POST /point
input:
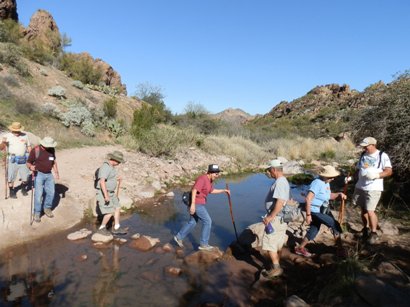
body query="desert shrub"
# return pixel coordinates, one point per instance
(153, 96)
(11, 81)
(10, 54)
(80, 68)
(24, 107)
(78, 84)
(75, 115)
(165, 140)
(9, 31)
(143, 119)
(88, 128)
(57, 91)
(243, 150)
(328, 155)
(110, 107)
(37, 52)
(115, 128)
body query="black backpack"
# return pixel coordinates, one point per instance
(187, 198)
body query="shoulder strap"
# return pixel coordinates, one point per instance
(380, 158)
(37, 151)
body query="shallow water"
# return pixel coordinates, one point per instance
(52, 272)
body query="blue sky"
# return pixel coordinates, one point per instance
(235, 53)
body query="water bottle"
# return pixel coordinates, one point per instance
(268, 228)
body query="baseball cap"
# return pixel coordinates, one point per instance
(368, 141)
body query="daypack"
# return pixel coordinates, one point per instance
(96, 178)
(187, 198)
(380, 157)
(290, 211)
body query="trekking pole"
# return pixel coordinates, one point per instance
(118, 188)
(342, 206)
(32, 199)
(6, 170)
(230, 209)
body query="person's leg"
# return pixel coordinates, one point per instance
(206, 224)
(187, 228)
(49, 189)
(11, 176)
(38, 192)
(373, 221)
(105, 220)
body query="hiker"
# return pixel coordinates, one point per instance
(107, 200)
(42, 161)
(372, 167)
(202, 187)
(17, 146)
(317, 209)
(276, 198)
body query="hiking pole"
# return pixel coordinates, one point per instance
(118, 187)
(342, 206)
(6, 170)
(32, 198)
(230, 209)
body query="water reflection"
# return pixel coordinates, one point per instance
(57, 272)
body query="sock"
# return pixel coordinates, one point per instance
(102, 227)
(276, 265)
(116, 226)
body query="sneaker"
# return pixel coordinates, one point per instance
(207, 248)
(24, 191)
(12, 193)
(119, 231)
(303, 252)
(273, 273)
(365, 233)
(104, 232)
(179, 242)
(48, 212)
(37, 218)
(373, 238)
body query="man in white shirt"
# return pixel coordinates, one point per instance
(372, 167)
(18, 146)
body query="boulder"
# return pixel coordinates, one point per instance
(96, 237)
(79, 234)
(8, 10)
(203, 257)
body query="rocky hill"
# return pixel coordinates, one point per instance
(232, 115)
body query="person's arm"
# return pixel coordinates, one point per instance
(55, 169)
(309, 199)
(336, 195)
(192, 208)
(3, 143)
(278, 207)
(31, 160)
(219, 191)
(104, 190)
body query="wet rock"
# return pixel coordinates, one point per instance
(173, 271)
(295, 301)
(83, 257)
(96, 237)
(170, 194)
(203, 257)
(327, 259)
(135, 236)
(151, 276)
(125, 201)
(120, 240)
(79, 234)
(144, 243)
(168, 248)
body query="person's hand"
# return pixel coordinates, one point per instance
(342, 196)
(228, 192)
(32, 168)
(267, 219)
(57, 176)
(192, 209)
(348, 179)
(107, 199)
(372, 176)
(308, 219)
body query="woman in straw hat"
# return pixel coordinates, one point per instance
(317, 202)
(18, 146)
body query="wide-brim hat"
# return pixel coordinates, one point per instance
(116, 155)
(16, 127)
(48, 142)
(213, 168)
(328, 171)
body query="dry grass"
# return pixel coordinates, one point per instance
(311, 149)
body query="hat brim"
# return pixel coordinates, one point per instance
(329, 174)
(16, 130)
(111, 157)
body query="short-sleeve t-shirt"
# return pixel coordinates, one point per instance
(321, 190)
(45, 161)
(370, 163)
(203, 186)
(17, 143)
(109, 173)
(279, 190)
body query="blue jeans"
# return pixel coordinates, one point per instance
(200, 214)
(44, 183)
(319, 219)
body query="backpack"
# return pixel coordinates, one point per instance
(96, 178)
(380, 157)
(187, 198)
(290, 211)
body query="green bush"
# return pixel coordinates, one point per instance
(328, 155)
(110, 107)
(10, 54)
(10, 31)
(80, 68)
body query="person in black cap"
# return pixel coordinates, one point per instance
(202, 187)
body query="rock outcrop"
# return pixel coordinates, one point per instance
(8, 10)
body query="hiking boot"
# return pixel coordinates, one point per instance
(104, 232)
(207, 248)
(365, 233)
(12, 193)
(48, 212)
(273, 273)
(24, 189)
(37, 218)
(179, 242)
(303, 252)
(119, 231)
(373, 238)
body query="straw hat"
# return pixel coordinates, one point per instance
(48, 142)
(116, 156)
(16, 127)
(328, 171)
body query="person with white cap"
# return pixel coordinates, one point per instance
(372, 167)
(42, 161)
(18, 146)
(317, 202)
(278, 195)
(197, 211)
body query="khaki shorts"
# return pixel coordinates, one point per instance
(275, 241)
(367, 200)
(111, 206)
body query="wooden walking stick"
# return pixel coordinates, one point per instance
(118, 188)
(6, 170)
(342, 206)
(32, 199)
(230, 208)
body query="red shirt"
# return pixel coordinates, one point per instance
(45, 161)
(203, 186)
